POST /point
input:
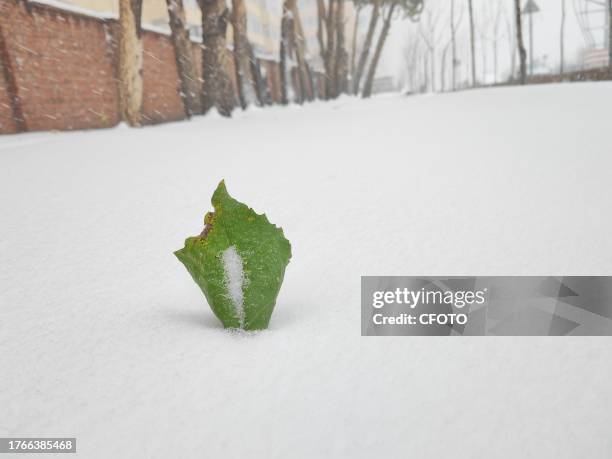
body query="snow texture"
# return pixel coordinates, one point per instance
(234, 278)
(105, 337)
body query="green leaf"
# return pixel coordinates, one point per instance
(238, 261)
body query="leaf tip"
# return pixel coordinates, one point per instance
(220, 193)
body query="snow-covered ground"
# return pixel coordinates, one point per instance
(105, 337)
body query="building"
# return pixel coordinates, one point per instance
(263, 22)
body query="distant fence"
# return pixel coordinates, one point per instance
(59, 70)
(599, 74)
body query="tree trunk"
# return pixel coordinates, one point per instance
(369, 83)
(483, 53)
(472, 42)
(496, 27)
(258, 82)
(454, 46)
(241, 58)
(190, 84)
(298, 90)
(284, 49)
(530, 43)
(341, 68)
(426, 71)
(354, 48)
(519, 41)
(217, 90)
(495, 60)
(10, 83)
(443, 70)
(296, 74)
(610, 37)
(321, 15)
(330, 64)
(432, 51)
(365, 50)
(562, 41)
(130, 61)
(247, 77)
(512, 49)
(299, 42)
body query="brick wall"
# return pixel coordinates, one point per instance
(162, 100)
(65, 66)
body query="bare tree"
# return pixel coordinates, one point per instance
(443, 67)
(330, 52)
(450, 43)
(369, 83)
(299, 46)
(412, 10)
(321, 22)
(244, 80)
(259, 84)
(365, 49)
(511, 42)
(610, 37)
(425, 71)
(284, 51)
(482, 27)
(411, 55)
(430, 33)
(472, 41)
(562, 40)
(10, 83)
(130, 61)
(341, 67)
(293, 44)
(188, 76)
(519, 41)
(497, 22)
(332, 45)
(353, 69)
(217, 90)
(454, 25)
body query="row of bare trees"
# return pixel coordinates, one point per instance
(435, 44)
(428, 47)
(215, 89)
(385, 9)
(199, 95)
